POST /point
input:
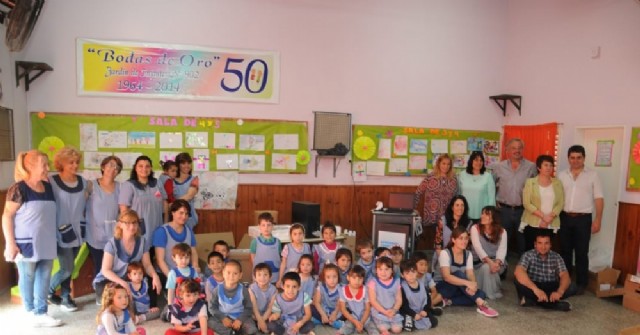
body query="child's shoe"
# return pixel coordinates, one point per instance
(408, 324)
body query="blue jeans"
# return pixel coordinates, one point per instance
(510, 219)
(62, 278)
(33, 282)
(458, 294)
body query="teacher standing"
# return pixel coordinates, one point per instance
(185, 186)
(439, 186)
(28, 224)
(477, 186)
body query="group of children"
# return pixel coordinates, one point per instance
(380, 294)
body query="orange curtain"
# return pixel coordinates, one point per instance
(541, 139)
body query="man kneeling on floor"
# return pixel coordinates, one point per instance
(542, 279)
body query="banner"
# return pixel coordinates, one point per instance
(149, 70)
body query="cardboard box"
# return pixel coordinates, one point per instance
(244, 257)
(350, 243)
(204, 244)
(245, 242)
(631, 299)
(603, 283)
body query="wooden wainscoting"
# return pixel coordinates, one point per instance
(345, 205)
(7, 270)
(625, 252)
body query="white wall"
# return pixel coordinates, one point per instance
(424, 63)
(549, 63)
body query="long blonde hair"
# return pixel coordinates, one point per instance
(107, 300)
(26, 163)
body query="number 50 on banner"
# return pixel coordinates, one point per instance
(148, 70)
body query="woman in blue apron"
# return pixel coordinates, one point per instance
(185, 186)
(28, 224)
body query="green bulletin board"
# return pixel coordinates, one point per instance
(633, 174)
(216, 144)
(409, 151)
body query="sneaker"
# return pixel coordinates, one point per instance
(446, 302)
(44, 320)
(54, 299)
(68, 305)
(562, 305)
(337, 324)
(408, 324)
(165, 316)
(437, 311)
(487, 311)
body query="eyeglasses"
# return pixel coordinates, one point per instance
(129, 223)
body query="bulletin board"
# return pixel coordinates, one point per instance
(216, 144)
(410, 151)
(633, 174)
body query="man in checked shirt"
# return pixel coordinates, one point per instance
(541, 278)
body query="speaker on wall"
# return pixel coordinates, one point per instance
(307, 214)
(330, 129)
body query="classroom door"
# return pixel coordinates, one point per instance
(603, 243)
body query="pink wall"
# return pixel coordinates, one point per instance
(425, 63)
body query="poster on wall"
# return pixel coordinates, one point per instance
(633, 172)
(152, 70)
(604, 153)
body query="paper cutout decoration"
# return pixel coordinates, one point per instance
(303, 157)
(364, 147)
(636, 152)
(50, 146)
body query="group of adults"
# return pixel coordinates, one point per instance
(119, 221)
(520, 198)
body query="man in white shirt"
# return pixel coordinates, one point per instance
(582, 194)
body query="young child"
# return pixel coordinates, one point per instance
(364, 248)
(385, 297)
(139, 289)
(261, 292)
(189, 315)
(305, 270)
(424, 276)
(344, 257)
(325, 252)
(114, 316)
(291, 309)
(181, 255)
(415, 300)
(382, 252)
(230, 304)
(325, 299)
(354, 304)
(222, 247)
(397, 254)
(291, 252)
(266, 248)
(169, 172)
(215, 263)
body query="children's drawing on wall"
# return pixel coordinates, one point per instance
(398, 165)
(475, 144)
(171, 141)
(458, 147)
(439, 146)
(489, 160)
(418, 163)
(142, 139)
(359, 171)
(218, 190)
(285, 142)
(128, 159)
(227, 161)
(88, 137)
(418, 146)
(384, 148)
(196, 139)
(460, 161)
(92, 159)
(252, 142)
(201, 159)
(252, 162)
(168, 156)
(400, 145)
(283, 161)
(112, 139)
(224, 140)
(375, 168)
(491, 147)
